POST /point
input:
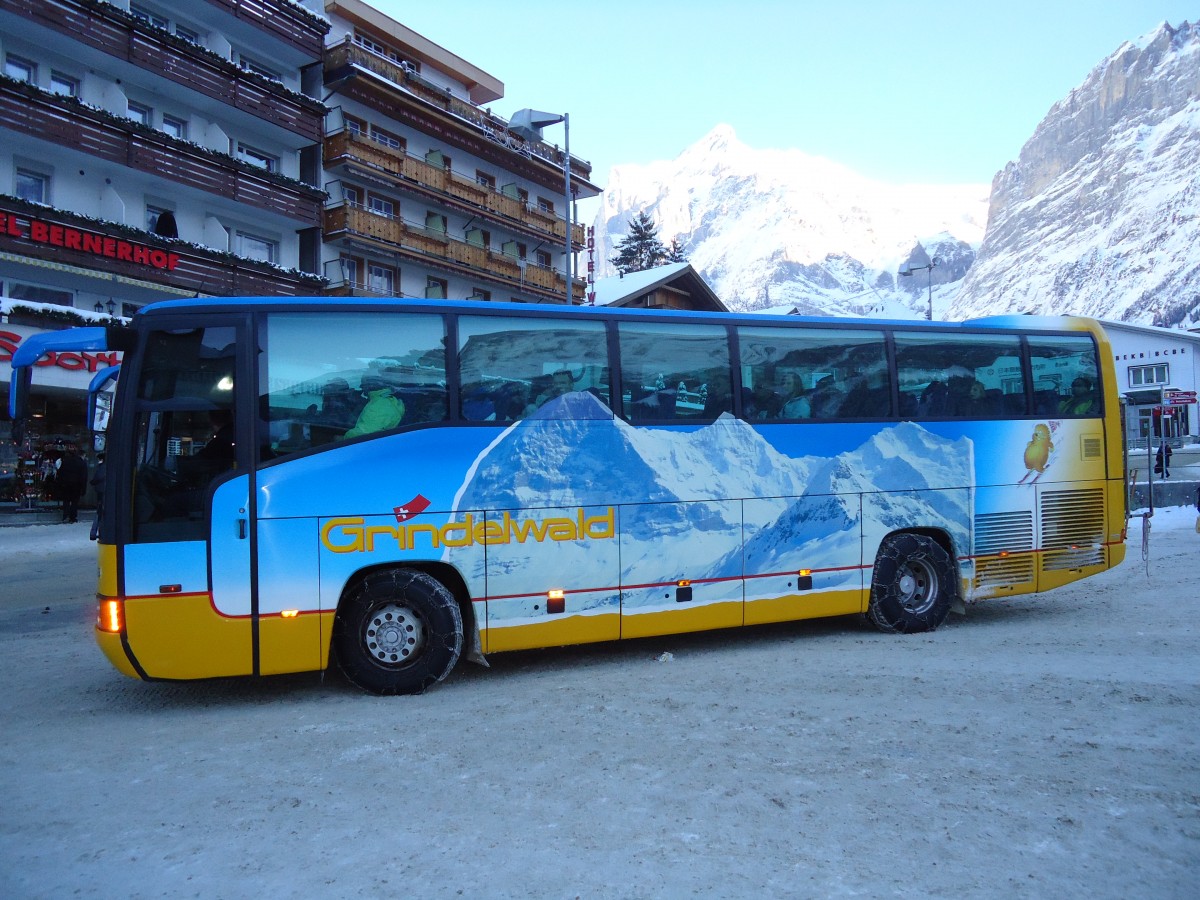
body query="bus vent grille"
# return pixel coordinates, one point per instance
(1092, 447)
(1009, 533)
(1072, 529)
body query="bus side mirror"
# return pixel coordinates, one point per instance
(101, 410)
(18, 400)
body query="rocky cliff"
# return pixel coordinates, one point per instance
(1100, 214)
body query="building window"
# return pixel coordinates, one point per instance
(352, 195)
(37, 294)
(353, 125)
(546, 206)
(252, 246)
(381, 206)
(192, 37)
(350, 270)
(480, 294)
(1140, 376)
(32, 186)
(258, 69)
(485, 179)
(435, 289)
(20, 68)
(64, 84)
(176, 128)
(154, 214)
(382, 136)
(140, 113)
(259, 158)
(150, 18)
(543, 259)
(381, 279)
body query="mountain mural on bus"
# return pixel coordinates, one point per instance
(677, 494)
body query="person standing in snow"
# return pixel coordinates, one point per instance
(72, 482)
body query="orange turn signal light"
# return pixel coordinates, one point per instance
(110, 616)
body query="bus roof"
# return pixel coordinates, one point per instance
(365, 304)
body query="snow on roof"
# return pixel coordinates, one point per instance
(616, 288)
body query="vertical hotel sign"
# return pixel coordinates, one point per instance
(37, 231)
(591, 265)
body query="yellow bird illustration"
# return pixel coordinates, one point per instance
(1037, 452)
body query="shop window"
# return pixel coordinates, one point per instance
(64, 85)
(20, 68)
(32, 186)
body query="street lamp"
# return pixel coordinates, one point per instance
(528, 123)
(928, 268)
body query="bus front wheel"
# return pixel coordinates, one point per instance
(913, 584)
(398, 632)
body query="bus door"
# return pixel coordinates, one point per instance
(187, 573)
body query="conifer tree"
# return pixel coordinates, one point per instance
(640, 249)
(674, 253)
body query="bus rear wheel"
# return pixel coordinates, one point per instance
(398, 632)
(913, 584)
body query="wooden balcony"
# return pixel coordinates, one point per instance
(67, 122)
(447, 187)
(288, 22)
(117, 33)
(432, 247)
(192, 269)
(462, 123)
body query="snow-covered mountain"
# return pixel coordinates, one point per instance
(679, 495)
(1100, 214)
(770, 228)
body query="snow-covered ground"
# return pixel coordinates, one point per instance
(1039, 747)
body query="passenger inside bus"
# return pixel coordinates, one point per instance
(796, 404)
(1082, 401)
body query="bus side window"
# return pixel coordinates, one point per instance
(675, 371)
(956, 375)
(1065, 374)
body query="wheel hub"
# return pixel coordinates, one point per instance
(918, 587)
(394, 634)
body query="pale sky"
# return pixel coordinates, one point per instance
(939, 92)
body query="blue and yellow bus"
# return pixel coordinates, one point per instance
(393, 484)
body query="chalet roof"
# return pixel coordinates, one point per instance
(627, 290)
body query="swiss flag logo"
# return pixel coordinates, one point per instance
(413, 507)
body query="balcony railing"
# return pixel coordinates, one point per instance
(347, 53)
(195, 268)
(121, 35)
(433, 246)
(349, 144)
(67, 122)
(289, 22)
